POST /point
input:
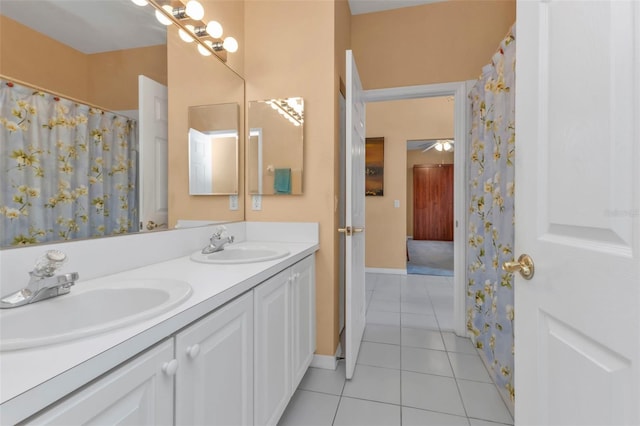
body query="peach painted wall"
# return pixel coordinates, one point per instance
(397, 122)
(108, 80)
(196, 80)
(434, 43)
(290, 51)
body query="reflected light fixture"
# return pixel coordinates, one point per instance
(140, 2)
(229, 44)
(286, 108)
(161, 17)
(186, 35)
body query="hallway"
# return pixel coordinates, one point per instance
(411, 370)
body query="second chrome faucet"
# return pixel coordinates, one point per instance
(218, 240)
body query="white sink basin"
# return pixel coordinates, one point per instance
(245, 252)
(87, 311)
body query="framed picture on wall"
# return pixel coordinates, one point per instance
(374, 166)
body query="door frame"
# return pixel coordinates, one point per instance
(462, 117)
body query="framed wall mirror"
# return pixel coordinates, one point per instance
(93, 53)
(275, 146)
(213, 149)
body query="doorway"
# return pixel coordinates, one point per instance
(459, 92)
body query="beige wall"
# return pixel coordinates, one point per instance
(398, 122)
(197, 80)
(108, 80)
(290, 52)
(434, 43)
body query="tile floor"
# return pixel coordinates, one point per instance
(410, 371)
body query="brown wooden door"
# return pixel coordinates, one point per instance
(433, 202)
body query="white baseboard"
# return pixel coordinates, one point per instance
(386, 271)
(327, 362)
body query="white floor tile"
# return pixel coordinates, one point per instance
(375, 384)
(417, 307)
(385, 305)
(435, 393)
(445, 320)
(428, 322)
(422, 338)
(426, 361)
(482, 401)
(357, 412)
(323, 380)
(469, 367)
(310, 408)
(415, 417)
(383, 318)
(382, 334)
(379, 355)
(478, 422)
(455, 343)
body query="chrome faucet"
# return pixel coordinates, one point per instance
(44, 284)
(218, 241)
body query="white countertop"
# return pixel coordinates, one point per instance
(31, 379)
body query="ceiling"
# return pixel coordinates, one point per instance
(88, 25)
(359, 7)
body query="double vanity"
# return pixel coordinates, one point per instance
(157, 332)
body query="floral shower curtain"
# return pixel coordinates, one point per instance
(490, 313)
(66, 170)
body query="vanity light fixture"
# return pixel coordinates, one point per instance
(197, 30)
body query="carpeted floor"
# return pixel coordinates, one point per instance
(430, 257)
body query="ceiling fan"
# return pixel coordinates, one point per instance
(441, 145)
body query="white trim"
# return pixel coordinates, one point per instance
(386, 271)
(327, 362)
(459, 91)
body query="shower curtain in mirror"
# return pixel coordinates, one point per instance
(490, 313)
(66, 170)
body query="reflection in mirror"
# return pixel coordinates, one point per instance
(213, 149)
(275, 146)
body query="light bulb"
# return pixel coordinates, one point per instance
(214, 29)
(203, 50)
(184, 35)
(194, 10)
(438, 146)
(447, 146)
(162, 18)
(140, 2)
(230, 44)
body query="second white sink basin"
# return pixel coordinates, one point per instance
(244, 252)
(87, 311)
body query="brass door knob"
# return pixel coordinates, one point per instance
(524, 265)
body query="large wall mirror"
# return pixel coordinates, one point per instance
(275, 146)
(85, 58)
(213, 149)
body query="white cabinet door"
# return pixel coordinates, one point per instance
(272, 348)
(138, 393)
(214, 384)
(303, 295)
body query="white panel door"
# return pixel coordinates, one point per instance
(138, 393)
(153, 126)
(577, 328)
(303, 309)
(354, 230)
(272, 359)
(214, 384)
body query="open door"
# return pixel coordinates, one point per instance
(577, 327)
(354, 217)
(152, 100)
